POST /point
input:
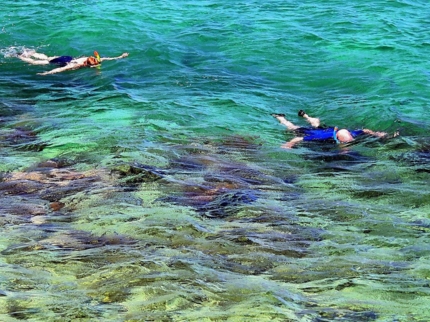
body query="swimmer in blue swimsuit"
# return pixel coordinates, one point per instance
(321, 134)
(61, 61)
(65, 62)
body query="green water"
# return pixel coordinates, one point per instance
(230, 227)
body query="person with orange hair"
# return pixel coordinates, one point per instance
(65, 62)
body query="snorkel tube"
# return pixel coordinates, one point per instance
(335, 134)
(96, 54)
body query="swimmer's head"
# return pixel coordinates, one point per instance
(91, 61)
(344, 136)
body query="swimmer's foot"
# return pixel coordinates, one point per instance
(301, 113)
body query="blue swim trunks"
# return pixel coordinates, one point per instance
(61, 61)
(323, 134)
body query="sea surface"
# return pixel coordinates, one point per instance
(155, 188)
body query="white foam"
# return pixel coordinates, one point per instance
(14, 51)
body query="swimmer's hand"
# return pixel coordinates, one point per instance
(43, 74)
(113, 58)
(289, 145)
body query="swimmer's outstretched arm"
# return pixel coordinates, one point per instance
(62, 69)
(113, 58)
(379, 134)
(293, 142)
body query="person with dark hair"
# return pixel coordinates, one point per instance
(65, 62)
(321, 134)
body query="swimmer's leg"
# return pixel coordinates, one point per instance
(281, 118)
(40, 56)
(33, 61)
(315, 122)
(32, 53)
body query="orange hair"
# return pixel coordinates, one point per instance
(91, 61)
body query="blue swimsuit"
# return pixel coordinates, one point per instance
(326, 134)
(61, 61)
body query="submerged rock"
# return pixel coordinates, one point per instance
(418, 158)
(17, 187)
(56, 205)
(80, 240)
(337, 156)
(50, 184)
(247, 175)
(329, 314)
(135, 174)
(24, 139)
(28, 206)
(193, 162)
(222, 188)
(240, 143)
(214, 203)
(227, 203)
(55, 163)
(70, 240)
(56, 192)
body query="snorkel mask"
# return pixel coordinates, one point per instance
(335, 134)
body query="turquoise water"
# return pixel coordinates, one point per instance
(215, 222)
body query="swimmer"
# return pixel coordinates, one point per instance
(65, 62)
(322, 134)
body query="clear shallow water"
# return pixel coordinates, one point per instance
(228, 226)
